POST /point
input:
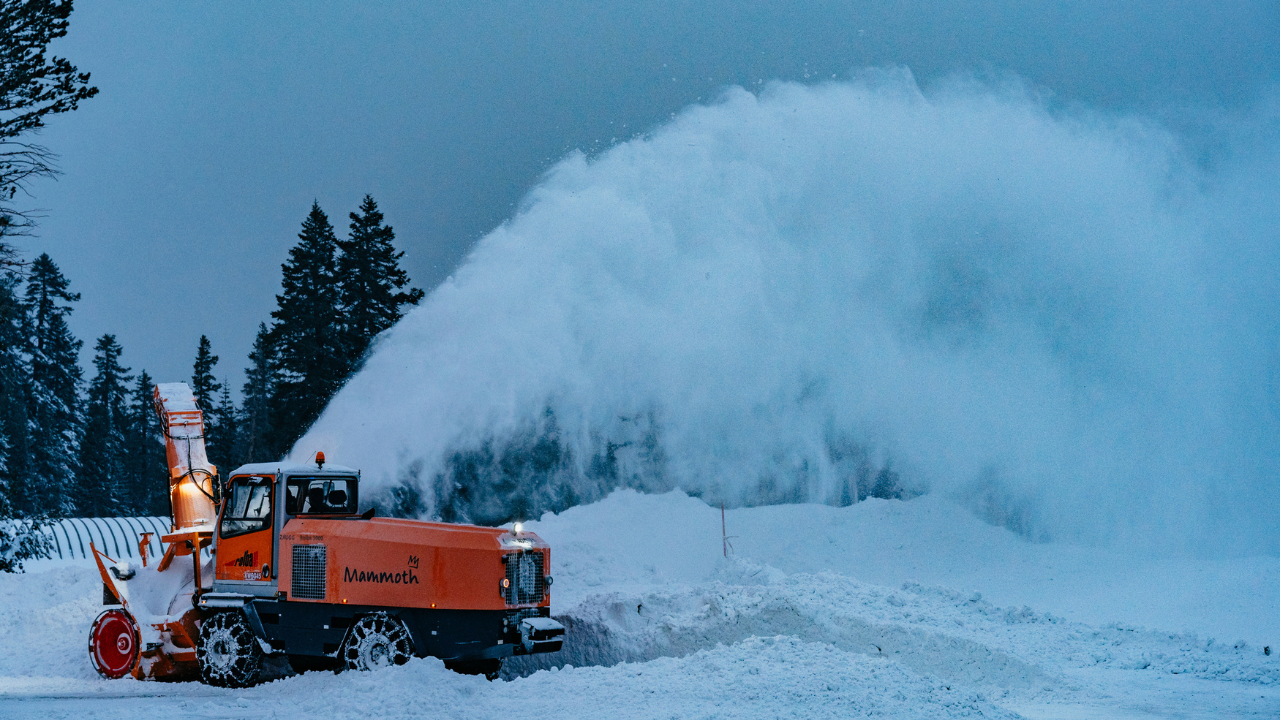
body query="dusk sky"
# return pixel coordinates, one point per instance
(186, 179)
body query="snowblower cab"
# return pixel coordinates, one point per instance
(259, 500)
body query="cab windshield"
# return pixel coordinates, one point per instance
(248, 508)
(320, 496)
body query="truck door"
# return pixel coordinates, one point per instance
(246, 533)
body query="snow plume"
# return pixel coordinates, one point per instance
(1065, 320)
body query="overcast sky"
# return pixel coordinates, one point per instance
(186, 180)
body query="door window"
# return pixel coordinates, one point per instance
(248, 507)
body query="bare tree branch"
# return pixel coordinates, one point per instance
(32, 86)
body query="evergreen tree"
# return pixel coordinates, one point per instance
(146, 465)
(54, 390)
(20, 536)
(222, 434)
(371, 282)
(101, 489)
(14, 374)
(203, 385)
(308, 333)
(259, 390)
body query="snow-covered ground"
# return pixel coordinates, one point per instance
(886, 608)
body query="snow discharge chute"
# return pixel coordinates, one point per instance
(193, 480)
(809, 293)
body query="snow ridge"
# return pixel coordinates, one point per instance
(932, 631)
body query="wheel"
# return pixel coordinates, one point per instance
(228, 651)
(488, 668)
(113, 643)
(377, 640)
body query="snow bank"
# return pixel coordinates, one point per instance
(44, 622)
(1056, 317)
(661, 625)
(958, 637)
(631, 541)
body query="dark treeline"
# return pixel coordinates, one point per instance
(41, 412)
(71, 448)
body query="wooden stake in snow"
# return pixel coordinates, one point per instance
(724, 536)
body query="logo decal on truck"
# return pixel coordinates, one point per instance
(406, 577)
(373, 576)
(248, 559)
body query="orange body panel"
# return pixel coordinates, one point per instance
(409, 563)
(245, 557)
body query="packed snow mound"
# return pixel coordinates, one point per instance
(958, 637)
(44, 622)
(795, 295)
(631, 542)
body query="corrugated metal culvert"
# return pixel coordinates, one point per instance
(69, 538)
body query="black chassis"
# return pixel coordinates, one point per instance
(316, 630)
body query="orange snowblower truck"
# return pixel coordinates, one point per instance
(298, 571)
